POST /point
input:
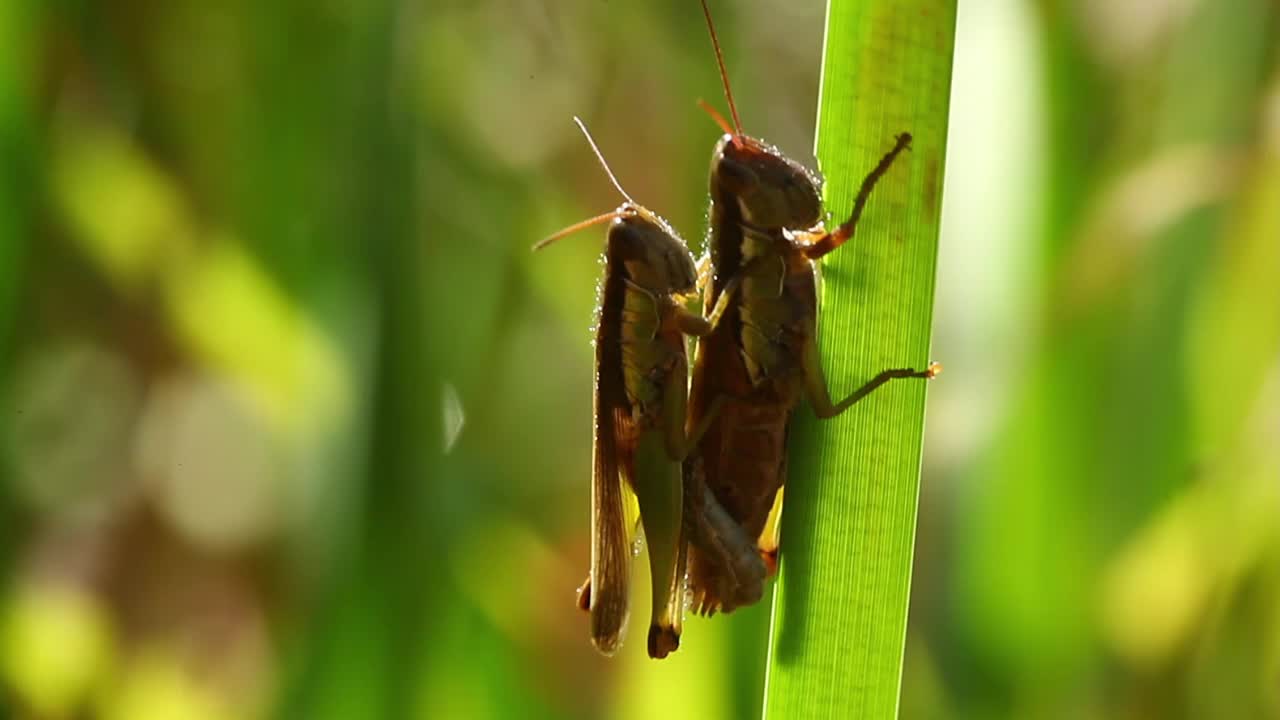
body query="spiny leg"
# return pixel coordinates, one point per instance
(703, 273)
(698, 326)
(659, 492)
(723, 544)
(830, 241)
(820, 396)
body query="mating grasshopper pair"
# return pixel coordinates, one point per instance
(700, 465)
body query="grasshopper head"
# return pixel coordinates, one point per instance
(772, 191)
(654, 256)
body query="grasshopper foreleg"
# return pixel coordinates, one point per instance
(827, 242)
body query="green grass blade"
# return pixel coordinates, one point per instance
(848, 529)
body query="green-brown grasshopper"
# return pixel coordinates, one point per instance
(641, 389)
(754, 367)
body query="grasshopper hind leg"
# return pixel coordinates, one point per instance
(662, 641)
(728, 571)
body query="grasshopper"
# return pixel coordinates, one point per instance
(639, 442)
(762, 357)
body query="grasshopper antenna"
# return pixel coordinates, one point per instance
(578, 226)
(600, 156)
(724, 75)
(716, 117)
(599, 218)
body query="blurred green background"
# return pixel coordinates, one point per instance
(294, 425)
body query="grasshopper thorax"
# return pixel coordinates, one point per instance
(653, 256)
(772, 191)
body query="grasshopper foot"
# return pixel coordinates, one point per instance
(662, 641)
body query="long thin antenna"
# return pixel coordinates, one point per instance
(724, 75)
(578, 226)
(715, 116)
(599, 156)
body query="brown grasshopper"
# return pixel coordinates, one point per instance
(754, 367)
(641, 393)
